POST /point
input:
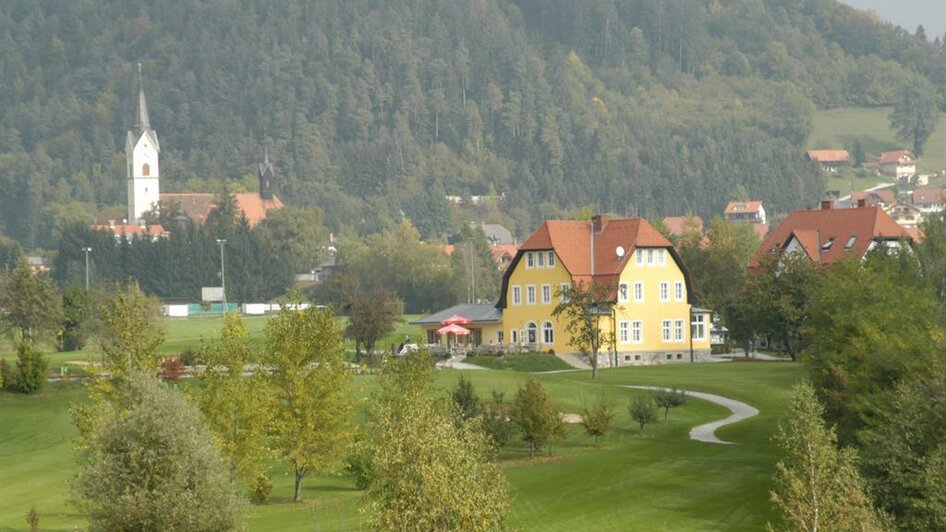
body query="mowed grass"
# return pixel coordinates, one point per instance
(520, 362)
(839, 128)
(658, 480)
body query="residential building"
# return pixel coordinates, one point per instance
(486, 327)
(651, 311)
(131, 231)
(677, 225)
(831, 161)
(929, 200)
(905, 215)
(883, 198)
(899, 164)
(828, 234)
(745, 211)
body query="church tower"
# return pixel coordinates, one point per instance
(266, 176)
(141, 153)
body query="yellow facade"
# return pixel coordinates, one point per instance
(652, 318)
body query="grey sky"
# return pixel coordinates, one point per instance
(909, 13)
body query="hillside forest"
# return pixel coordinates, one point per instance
(375, 111)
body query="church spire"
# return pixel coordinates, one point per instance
(143, 122)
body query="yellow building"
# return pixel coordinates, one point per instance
(651, 315)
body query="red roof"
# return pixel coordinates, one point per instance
(503, 252)
(155, 230)
(826, 235)
(929, 196)
(873, 197)
(829, 156)
(677, 224)
(198, 205)
(761, 229)
(735, 207)
(891, 157)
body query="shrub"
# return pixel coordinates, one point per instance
(495, 421)
(642, 410)
(360, 464)
(31, 368)
(172, 369)
(262, 487)
(7, 377)
(189, 357)
(32, 519)
(597, 419)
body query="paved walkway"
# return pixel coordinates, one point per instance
(707, 433)
(456, 362)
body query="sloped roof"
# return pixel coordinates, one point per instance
(814, 228)
(478, 312)
(929, 196)
(677, 224)
(500, 250)
(132, 229)
(761, 230)
(891, 157)
(734, 207)
(198, 205)
(885, 196)
(588, 251)
(829, 156)
(497, 233)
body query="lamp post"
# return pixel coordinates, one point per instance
(223, 273)
(87, 250)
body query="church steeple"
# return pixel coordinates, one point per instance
(266, 176)
(143, 122)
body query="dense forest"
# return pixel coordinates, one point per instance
(375, 111)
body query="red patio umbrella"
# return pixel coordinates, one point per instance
(453, 329)
(456, 320)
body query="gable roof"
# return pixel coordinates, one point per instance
(885, 196)
(497, 234)
(892, 157)
(154, 230)
(198, 205)
(814, 230)
(677, 224)
(734, 207)
(828, 156)
(929, 196)
(587, 249)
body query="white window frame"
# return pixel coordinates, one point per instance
(514, 335)
(530, 260)
(530, 294)
(516, 295)
(665, 329)
(531, 333)
(639, 256)
(562, 296)
(678, 291)
(550, 262)
(637, 332)
(698, 327)
(546, 294)
(650, 257)
(540, 260)
(500, 336)
(639, 292)
(548, 333)
(624, 336)
(678, 331)
(664, 291)
(661, 257)
(624, 294)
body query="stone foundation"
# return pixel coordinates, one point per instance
(649, 358)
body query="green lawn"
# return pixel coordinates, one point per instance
(529, 362)
(838, 128)
(658, 481)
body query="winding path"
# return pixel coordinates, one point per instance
(707, 433)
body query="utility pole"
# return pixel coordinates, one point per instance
(87, 250)
(223, 273)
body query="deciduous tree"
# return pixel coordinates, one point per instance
(582, 308)
(311, 398)
(597, 419)
(642, 410)
(667, 399)
(30, 303)
(817, 486)
(915, 114)
(131, 331)
(537, 416)
(31, 369)
(153, 466)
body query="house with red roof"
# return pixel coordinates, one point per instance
(828, 234)
(651, 309)
(884, 198)
(900, 164)
(121, 230)
(929, 200)
(745, 211)
(831, 161)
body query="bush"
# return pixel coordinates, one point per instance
(189, 357)
(31, 368)
(642, 410)
(495, 421)
(32, 519)
(7, 377)
(360, 464)
(262, 487)
(172, 369)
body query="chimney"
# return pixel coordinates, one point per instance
(862, 202)
(598, 222)
(826, 205)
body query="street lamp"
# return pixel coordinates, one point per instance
(223, 273)
(87, 250)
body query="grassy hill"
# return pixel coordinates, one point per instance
(659, 481)
(839, 128)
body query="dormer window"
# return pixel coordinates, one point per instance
(850, 242)
(827, 245)
(739, 208)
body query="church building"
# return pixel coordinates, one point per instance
(142, 151)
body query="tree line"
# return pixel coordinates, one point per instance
(374, 111)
